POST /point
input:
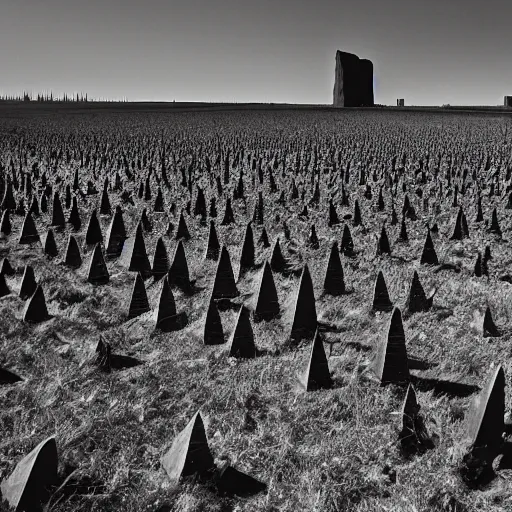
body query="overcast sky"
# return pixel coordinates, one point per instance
(428, 52)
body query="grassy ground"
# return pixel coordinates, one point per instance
(327, 450)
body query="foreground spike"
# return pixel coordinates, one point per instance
(229, 218)
(28, 283)
(383, 243)
(390, 364)
(97, 273)
(247, 254)
(213, 246)
(489, 328)
(178, 274)
(417, 300)
(72, 258)
(160, 260)
(116, 235)
(29, 234)
(334, 282)
(189, 453)
(74, 215)
(277, 261)
(93, 234)
(305, 319)
(316, 375)
(27, 488)
(495, 226)
(166, 315)
(263, 240)
(347, 244)
(49, 244)
(134, 256)
(241, 344)
(224, 286)
(139, 303)
(213, 332)
(182, 231)
(429, 255)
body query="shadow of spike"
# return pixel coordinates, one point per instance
(97, 273)
(444, 387)
(213, 331)
(485, 418)
(178, 274)
(316, 374)
(8, 377)
(232, 482)
(267, 304)
(212, 246)
(35, 310)
(27, 488)
(390, 364)
(189, 453)
(160, 260)
(489, 328)
(134, 256)
(334, 282)
(305, 318)
(139, 303)
(29, 234)
(381, 300)
(429, 255)
(182, 231)
(72, 259)
(241, 344)
(224, 286)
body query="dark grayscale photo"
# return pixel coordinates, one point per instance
(255, 256)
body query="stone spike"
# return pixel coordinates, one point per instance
(263, 240)
(213, 332)
(160, 260)
(417, 300)
(267, 303)
(334, 282)
(457, 230)
(277, 261)
(104, 355)
(213, 208)
(189, 453)
(158, 206)
(406, 206)
(344, 196)
(74, 215)
(383, 243)
(166, 315)
(295, 191)
(465, 228)
(116, 235)
(316, 375)
(27, 486)
(28, 283)
(347, 244)
(304, 212)
(8, 201)
(178, 274)
(495, 227)
(224, 286)
(5, 224)
(487, 253)
(485, 425)
(391, 365)
(6, 268)
(247, 253)
(489, 327)
(72, 258)
(241, 344)
(49, 244)
(58, 220)
(144, 220)
(357, 221)
(229, 217)
(403, 237)
(43, 203)
(35, 308)
(105, 208)
(134, 255)
(479, 213)
(34, 206)
(258, 210)
(313, 238)
(213, 246)
(98, 272)
(380, 201)
(394, 217)
(147, 190)
(182, 231)
(4, 289)
(29, 234)
(200, 206)
(429, 255)
(139, 303)
(478, 270)
(381, 300)
(304, 319)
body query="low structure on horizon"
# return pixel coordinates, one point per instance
(508, 101)
(353, 81)
(400, 102)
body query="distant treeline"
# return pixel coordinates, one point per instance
(49, 97)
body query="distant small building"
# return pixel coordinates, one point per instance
(508, 101)
(400, 102)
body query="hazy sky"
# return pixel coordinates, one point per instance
(429, 52)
